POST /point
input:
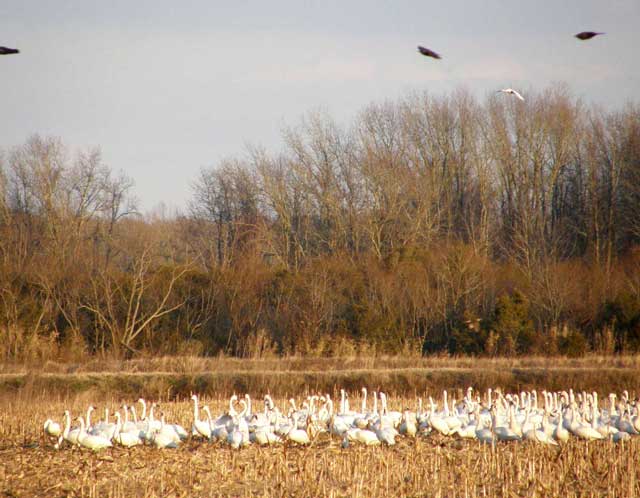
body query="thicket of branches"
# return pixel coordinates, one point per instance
(428, 224)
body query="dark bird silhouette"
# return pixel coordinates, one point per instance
(428, 53)
(8, 51)
(587, 35)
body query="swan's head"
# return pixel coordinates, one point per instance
(141, 400)
(234, 398)
(194, 397)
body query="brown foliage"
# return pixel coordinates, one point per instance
(398, 233)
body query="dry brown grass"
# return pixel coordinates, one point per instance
(196, 364)
(427, 466)
(176, 377)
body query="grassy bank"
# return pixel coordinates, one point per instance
(170, 378)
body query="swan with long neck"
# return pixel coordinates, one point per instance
(124, 438)
(90, 408)
(52, 428)
(103, 428)
(298, 436)
(174, 431)
(71, 436)
(127, 425)
(408, 426)
(200, 427)
(143, 415)
(92, 441)
(163, 439)
(239, 436)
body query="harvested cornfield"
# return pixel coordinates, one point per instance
(430, 465)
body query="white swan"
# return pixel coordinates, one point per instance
(199, 427)
(364, 436)
(52, 428)
(127, 425)
(125, 438)
(298, 436)
(385, 432)
(485, 434)
(394, 416)
(560, 433)
(103, 428)
(511, 91)
(173, 431)
(408, 425)
(583, 431)
(218, 432)
(71, 436)
(91, 441)
(239, 436)
(163, 439)
(436, 421)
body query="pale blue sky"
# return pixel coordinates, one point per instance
(167, 87)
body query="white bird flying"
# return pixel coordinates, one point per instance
(511, 91)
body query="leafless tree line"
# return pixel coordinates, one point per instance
(396, 232)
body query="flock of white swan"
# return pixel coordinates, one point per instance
(488, 418)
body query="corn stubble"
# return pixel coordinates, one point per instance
(426, 466)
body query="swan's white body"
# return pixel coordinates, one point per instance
(511, 91)
(127, 439)
(200, 428)
(363, 436)
(71, 436)
(164, 438)
(298, 436)
(52, 428)
(92, 441)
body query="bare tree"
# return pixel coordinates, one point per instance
(127, 307)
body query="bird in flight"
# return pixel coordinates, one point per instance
(8, 51)
(511, 91)
(587, 35)
(428, 53)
